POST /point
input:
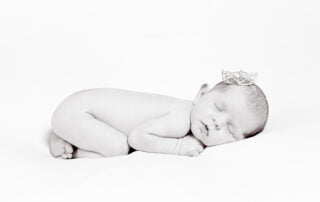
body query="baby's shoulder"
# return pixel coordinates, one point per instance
(183, 106)
(181, 114)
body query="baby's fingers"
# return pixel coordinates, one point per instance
(194, 153)
(200, 149)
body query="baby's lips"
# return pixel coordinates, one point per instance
(203, 130)
(207, 128)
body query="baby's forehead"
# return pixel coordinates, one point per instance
(230, 95)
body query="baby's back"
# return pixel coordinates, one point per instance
(122, 109)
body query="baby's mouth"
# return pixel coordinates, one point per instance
(204, 129)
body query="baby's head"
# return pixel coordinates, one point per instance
(228, 113)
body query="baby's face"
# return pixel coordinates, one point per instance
(222, 117)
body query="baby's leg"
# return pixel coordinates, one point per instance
(62, 149)
(84, 131)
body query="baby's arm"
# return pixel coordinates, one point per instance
(164, 134)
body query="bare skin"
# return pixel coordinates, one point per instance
(106, 122)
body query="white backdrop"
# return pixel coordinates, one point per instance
(50, 49)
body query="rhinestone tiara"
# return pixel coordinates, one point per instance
(240, 78)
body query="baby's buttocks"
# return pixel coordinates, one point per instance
(75, 103)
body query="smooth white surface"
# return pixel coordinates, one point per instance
(48, 50)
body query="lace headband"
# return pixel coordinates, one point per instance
(240, 78)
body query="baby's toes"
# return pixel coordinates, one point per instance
(57, 149)
(68, 148)
(69, 156)
(65, 156)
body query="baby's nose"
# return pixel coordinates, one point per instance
(218, 125)
(214, 123)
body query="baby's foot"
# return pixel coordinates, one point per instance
(60, 148)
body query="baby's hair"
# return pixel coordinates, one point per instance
(257, 103)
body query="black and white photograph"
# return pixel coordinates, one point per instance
(144, 100)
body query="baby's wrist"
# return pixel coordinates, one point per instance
(178, 146)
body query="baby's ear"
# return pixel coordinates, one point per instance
(203, 90)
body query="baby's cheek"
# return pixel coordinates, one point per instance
(197, 130)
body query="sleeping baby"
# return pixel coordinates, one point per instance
(105, 122)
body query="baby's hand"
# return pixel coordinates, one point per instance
(190, 146)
